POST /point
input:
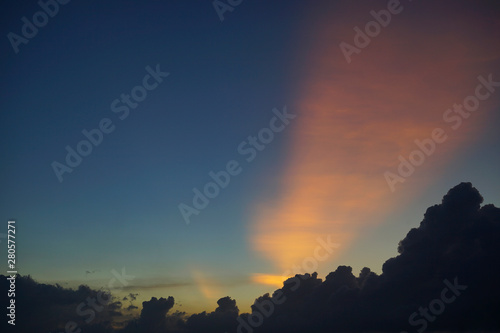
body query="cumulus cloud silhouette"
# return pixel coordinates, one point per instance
(49, 308)
(454, 255)
(223, 319)
(456, 239)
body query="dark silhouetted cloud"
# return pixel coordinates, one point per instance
(444, 278)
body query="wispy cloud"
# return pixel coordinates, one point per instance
(357, 118)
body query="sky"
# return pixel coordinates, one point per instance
(329, 118)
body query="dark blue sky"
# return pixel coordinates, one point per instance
(121, 201)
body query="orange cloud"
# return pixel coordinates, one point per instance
(356, 119)
(267, 279)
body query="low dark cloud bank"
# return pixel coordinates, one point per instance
(445, 278)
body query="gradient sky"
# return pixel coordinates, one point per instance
(322, 175)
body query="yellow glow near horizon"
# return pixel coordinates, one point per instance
(271, 280)
(207, 288)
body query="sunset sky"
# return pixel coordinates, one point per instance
(321, 176)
